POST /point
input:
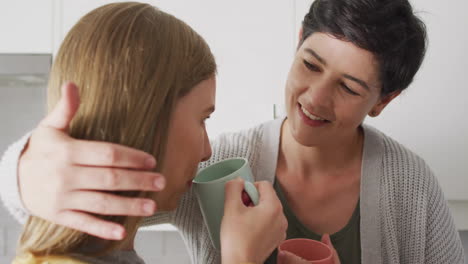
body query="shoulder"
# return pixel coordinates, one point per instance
(413, 207)
(402, 170)
(239, 140)
(31, 259)
(259, 145)
(244, 143)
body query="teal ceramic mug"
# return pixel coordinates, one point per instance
(209, 184)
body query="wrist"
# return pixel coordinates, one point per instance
(237, 259)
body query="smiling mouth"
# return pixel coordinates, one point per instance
(310, 115)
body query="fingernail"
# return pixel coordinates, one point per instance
(148, 208)
(281, 253)
(159, 183)
(150, 162)
(117, 233)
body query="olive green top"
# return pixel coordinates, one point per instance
(347, 241)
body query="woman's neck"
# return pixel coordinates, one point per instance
(129, 243)
(319, 160)
(94, 243)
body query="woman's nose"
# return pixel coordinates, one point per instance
(321, 93)
(207, 152)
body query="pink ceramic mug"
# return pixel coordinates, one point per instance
(313, 251)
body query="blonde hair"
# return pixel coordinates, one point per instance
(131, 62)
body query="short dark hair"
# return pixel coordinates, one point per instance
(387, 28)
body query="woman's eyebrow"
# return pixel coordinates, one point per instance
(358, 81)
(313, 53)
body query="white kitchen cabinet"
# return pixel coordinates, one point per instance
(26, 26)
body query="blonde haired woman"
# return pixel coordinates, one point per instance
(145, 80)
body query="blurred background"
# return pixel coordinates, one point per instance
(254, 43)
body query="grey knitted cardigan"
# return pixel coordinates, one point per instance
(404, 216)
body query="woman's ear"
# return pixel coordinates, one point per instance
(382, 103)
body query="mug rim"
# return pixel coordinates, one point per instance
(329, 256)
(217, 164)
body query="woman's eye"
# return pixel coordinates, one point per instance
(311, 66)
(348, 90)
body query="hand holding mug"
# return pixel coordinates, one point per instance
(307, 251)
(250, 234)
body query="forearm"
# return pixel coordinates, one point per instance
(234, 261)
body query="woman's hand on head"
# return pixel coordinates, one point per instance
(62, 179)
(250, 234)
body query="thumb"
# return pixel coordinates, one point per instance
(326, 240)
(233, 193)
(66, 108)
(266, 192)
(285, 257)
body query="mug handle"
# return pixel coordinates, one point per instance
(251, 190)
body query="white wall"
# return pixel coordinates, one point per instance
(26, 26)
